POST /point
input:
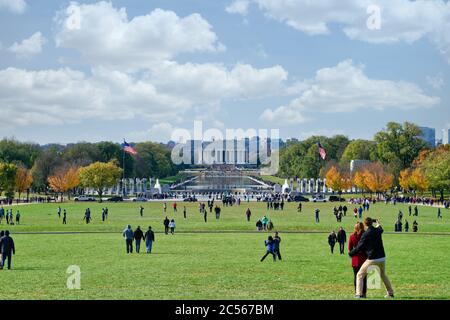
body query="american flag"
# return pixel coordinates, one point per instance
(128, 148)
(322, 152)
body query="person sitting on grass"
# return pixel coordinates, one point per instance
(270, 225)
(269, 243)
(172, 226)
(149, 239)
(138, 236)
(259, 225)
(129, 236)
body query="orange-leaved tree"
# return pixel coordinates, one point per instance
(338, 180)
(24, 180)
(377, 178)
(64, 179)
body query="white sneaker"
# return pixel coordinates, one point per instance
(389, 296)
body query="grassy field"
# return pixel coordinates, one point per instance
(214, 264)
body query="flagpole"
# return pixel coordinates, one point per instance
(123, 171)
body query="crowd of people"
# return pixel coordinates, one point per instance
(9, 216)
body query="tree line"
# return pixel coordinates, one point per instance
(25, 166)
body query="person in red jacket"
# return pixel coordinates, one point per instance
(361, 257)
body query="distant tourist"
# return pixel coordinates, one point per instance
(332, 239)
(165, 207)
(129, 236)
(299, 208)
(276, 247)
(59, 212)
(141, 211)
(317, 213)
(184, 212)
(18, 217)
(149, 239)
(415, 226)
(439, 214)
(341, 239)
(174, 207)
(406, 225)
(166, 223)
(269, 244)
(172, 226)
(358, 259)
(259, 225)
(138, 236)
(87, 216)
(270, 225)
(416, 211)
(248, 213)
(372, 244)
(7, 249)
(65, 217)
(217, 211)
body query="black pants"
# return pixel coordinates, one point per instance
(206, 218)
(138, 245)
(166, 229)
(4, 257)
(267, 253)
(341, 247)
(355, 272)
(64, 220)
(278, 254)
(129, 244)
(248, 218)
(332, 247)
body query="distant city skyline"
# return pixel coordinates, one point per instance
(107, 70)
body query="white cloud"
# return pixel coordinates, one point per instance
(28, 47)
(345, 88)
(238, 6)
(437, 81)
(104, 35)
(15, 6)
(206, 83)
(401, 20)
(68, 96)
(160, 132)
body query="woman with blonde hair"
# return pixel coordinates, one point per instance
(361, 257)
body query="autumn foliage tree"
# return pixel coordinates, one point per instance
(24, 180)
(338, 180)
(359, 181)
(64, 179)
(377, 178)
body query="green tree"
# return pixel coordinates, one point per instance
(44, 165)
(437, 171)
(12, 151)
(359, 150)
(153, 161)
(100, 175)
(8, 173)
(398, 145)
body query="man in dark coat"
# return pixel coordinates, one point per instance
(7, 249)
(166, 225)
(372, 244)
(342, 239)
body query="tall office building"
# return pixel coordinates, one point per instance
(429, 136)
(445, 136)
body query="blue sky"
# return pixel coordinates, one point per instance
(139, 69)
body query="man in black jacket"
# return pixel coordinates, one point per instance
(166, 225)
(342, 239)
(7, 249)
(372, 243)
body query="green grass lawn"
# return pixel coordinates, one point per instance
(217, 264)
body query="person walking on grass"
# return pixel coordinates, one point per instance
(416, 211)
(138, 236)
(103, 215)
(7, 249)
(184, 212)
(248, 213)
(166, 223)
(358, 259)
(164, 207)
(372, 244)
(406, 225)
(317, 213)
(59, 212)
(64, 217)
(174, 207)
(355, 213)
(415, 226)
(149, 239)
(141, 211)
(439, 214)
(299, 208)
(129, 236)
(7, 216)
(2, 214)
(269, 244)
(341, 239)
(360, 212)
(205, 214)
(332, 239)
(276, 247)
(217, 211)
(18, 217)
(172, 226)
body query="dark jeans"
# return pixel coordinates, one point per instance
(129, 244)
(166, 229)
(267, 253)
(278, 254)
(355, 272)
(341, 247)
(332, 247)
(4, 257)
(138, 245)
